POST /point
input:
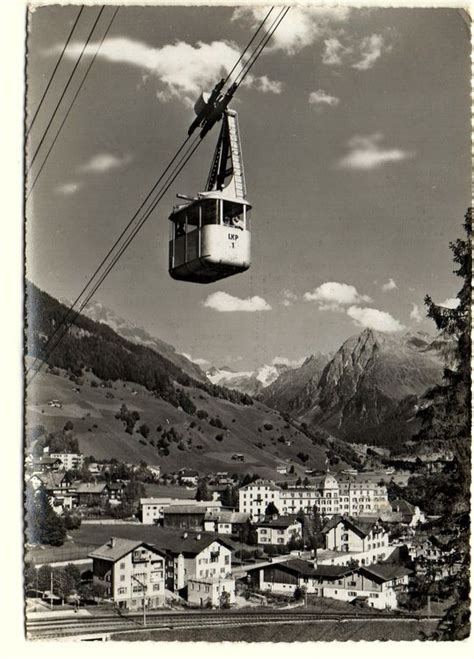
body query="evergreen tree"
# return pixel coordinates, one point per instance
(446, 421)
(202, 492)
(43, 525)
(271, 509)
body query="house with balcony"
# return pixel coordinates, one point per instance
(132, 573)
(279, 530)
(152, 509)
(193, 555)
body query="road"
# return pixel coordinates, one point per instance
(95, 626)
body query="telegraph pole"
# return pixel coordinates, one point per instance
(144, 588)
(51, 591)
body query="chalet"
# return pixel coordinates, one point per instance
(190, 517)
(92, 494)
(116, 490)
(403, 512)
(285, 577)
(194, 555)
(47, 463)
(132, 572)
(279, 530)
(225, 522)
(375, 585)
(58, 486)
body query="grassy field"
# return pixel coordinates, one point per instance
(252, 430)
(290, 633)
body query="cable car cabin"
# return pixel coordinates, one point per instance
(210, 235)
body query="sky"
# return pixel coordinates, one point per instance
(355, 129)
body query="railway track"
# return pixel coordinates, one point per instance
(63, 627)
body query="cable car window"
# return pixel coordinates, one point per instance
(210, 211)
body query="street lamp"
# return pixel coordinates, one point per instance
(144, 588)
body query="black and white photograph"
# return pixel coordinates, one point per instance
(247, 323)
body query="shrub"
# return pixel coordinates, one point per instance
(220, 437)
(268, 426)
(202, 414)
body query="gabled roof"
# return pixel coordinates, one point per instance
(306, 569)
(189, 544)
(360, 525)
(382, 572)
(402, 506)
(53, 479)
(282, 522)
(227, 517)
(117, 548)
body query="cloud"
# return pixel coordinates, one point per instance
(320, 97)
(366, 153)
(371, 48)
(68, 188)
(331, 295)
(288, 298)
(182, 70)
(374, 319)
(390, 285)
(302, 27)
(103, 162)
(284, 361)
(450, 303)
(265, 85)
(415, 313)
(196, 360)
(334, 52)
(224, 302)
(361, 55)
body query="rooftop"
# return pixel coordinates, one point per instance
(282, 522)
(117, 548)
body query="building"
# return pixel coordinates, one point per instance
(284, 577)
(194, 555)
(184, 517)
(279, 530)
(211, 591)
(189, 476)
(47, 463)
(404, 512)
(69, 460)
(152, 508)
(92, 494)
(375, 585)
(349, 534)
(225, 522)
(350, 495)
(255, 497)
(132, 572)
(59, 488)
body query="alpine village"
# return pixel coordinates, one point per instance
(158, 495)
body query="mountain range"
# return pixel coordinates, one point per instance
(369, 378)
(367, 391)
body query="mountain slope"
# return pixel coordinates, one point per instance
(291, 383)
(101, 314)
(366, 379)
(182, 422)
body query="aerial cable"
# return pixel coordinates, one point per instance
(65, 89)
(158, 196)
(262, 44)
(72, 103)
(105, 258)
(54, 71)
(248, 45)
(171, 178)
